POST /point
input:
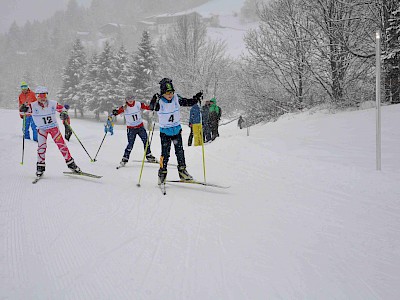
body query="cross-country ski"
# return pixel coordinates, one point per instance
(198, 183)
(82, 174)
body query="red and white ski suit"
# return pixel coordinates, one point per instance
(45, 119)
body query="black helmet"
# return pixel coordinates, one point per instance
(166, 86)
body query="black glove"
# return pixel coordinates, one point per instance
(63, 115)
(154, 105)
(198, 96)
(115, 112)
(24, 108)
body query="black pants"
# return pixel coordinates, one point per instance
(166, 149)
(131, 134)
(190, 140)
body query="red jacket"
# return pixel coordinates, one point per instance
(26, 98)
(142, 106)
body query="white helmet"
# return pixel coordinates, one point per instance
(41, 90)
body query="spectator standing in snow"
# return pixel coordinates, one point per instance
(205, 119)
(27, 97)
(240, 122)
(194, 118)
(215, 116)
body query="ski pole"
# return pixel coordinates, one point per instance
(94, 159)
(23, 138)
(101, 143)
(147, 146)
(79, 141)
(202, 144)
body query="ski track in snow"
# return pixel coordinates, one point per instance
(306, 216)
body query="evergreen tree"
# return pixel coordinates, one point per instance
(105, 84)
(73, 74)
(122, 72)
(145, 67)
(88, 87)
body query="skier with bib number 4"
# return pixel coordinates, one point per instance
(44, 115)
(168, 109)
(133, 116)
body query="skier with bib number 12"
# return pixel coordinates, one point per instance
(44, 115)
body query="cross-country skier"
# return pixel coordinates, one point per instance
(44, 114)
(168, 108)
(133, 116)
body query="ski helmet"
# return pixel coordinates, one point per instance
(41, 90)
(129, 95)
(166, 86)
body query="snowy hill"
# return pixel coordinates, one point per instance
(232, 29)
(307, 216)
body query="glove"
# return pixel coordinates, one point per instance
(198, 95)
(115, 112)
(66, 106)
(154, 105)
(63, 115)
(24, 108)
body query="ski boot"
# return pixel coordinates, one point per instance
(71, 165)
(183, 174)
(150, 158)
(123, 162)
(40, 168)
(162, 175)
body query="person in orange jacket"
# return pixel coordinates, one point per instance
(27, 97)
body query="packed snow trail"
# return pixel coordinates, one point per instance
(306, 215)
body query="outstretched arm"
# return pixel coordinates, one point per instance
(190, 101)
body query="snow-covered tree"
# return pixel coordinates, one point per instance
(278, 50)
(122, 72)
(88, 87)
(392, 54)
(189, 58)
(145, 65)
(105, 83)
(73, 74)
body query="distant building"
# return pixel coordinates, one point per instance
(161, 24)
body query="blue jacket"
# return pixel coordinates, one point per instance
(194, 114)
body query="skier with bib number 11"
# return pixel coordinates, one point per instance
(168, 110)
(133, 116)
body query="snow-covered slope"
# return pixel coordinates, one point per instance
(307, 216)
(231, 28)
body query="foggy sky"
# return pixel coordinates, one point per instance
(24, 10)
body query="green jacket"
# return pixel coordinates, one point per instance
(214, 108)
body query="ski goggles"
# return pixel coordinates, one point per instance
(24, 87)
(169, 93)
(42, 95)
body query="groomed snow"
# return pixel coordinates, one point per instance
(307, 215)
